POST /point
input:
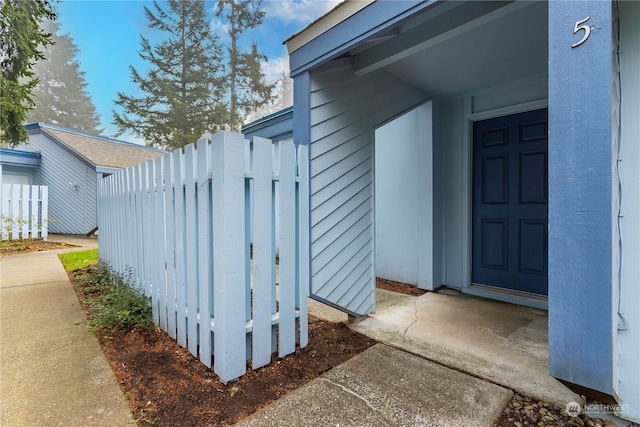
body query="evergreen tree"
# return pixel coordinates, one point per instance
(21, 39)
(248, 88)
(183, 90)
(61, 97)
(282, 98)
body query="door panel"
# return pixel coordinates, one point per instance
(510, 198)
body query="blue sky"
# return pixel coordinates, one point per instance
(107, 33)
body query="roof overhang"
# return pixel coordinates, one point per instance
(28, 159)
(444, 48)
(107, 170)
(273, 126)
(326, 22)
(347, 26)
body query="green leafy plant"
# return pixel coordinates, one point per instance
(111, 301)
(9, 223)
(234, 390)
(121, 307)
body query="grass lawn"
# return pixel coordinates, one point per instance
(75, 260)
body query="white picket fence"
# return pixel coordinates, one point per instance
(178, 226)
(23, 211)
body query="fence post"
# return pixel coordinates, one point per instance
(303, 243)
(228, 256)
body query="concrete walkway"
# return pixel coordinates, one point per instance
(445, 359)
(52, 370)
(383, 387)
(503, 343)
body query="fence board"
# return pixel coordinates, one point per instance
(184, 224)
(263, 253)
(5, 197)
(24, 210)
(121, 189)
(204, 249)
(287, 336)
(190, 250)
(180, 253)
(159, 267)
(15, 210)
(32, 228)
(44, 211)
(169, 245)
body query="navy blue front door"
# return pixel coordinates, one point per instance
(509, 248)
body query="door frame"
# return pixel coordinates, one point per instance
(506, 295)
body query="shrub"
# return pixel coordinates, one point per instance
(119, 306)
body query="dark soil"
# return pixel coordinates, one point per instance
(167, 386)
(19, 246)
(403, 288)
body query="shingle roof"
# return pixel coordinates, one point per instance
(99, 150)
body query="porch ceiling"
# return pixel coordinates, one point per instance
(467, 47)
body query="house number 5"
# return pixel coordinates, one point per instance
(580, 26)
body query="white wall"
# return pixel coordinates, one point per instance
(403, 166)
(16, 178)
(628, 335)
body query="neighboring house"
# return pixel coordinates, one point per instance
(18, 167)
(69, 162)
(512, 157)
(276, 127)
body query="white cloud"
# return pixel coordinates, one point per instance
(275, 67)
(219, 28)
(298, 11)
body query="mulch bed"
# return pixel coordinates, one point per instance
(20, 246)
(402, 288)
(167, 386)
